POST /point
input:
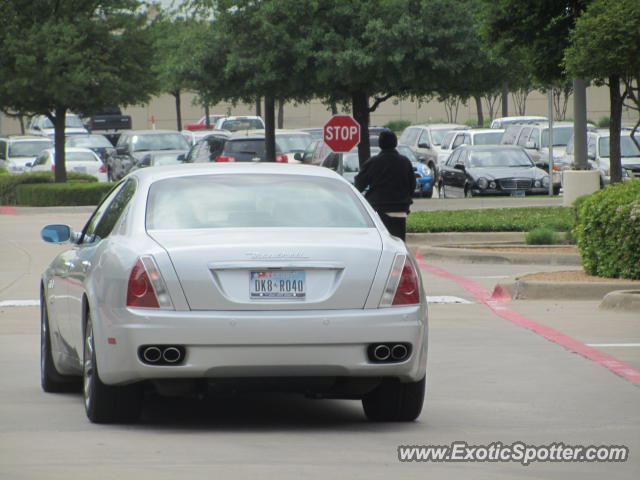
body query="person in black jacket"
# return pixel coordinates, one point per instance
(389, 181)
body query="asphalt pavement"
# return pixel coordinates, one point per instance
(538, 371)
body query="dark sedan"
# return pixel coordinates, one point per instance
(490, 170)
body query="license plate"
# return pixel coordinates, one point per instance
(277, 284)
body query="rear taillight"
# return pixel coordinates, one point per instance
(146, 288)
(53, 168)
(403, 285)
(103, 168)
(224, 158)
(282, 159)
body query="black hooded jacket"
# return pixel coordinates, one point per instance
(388, 181)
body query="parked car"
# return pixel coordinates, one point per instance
(135, 145)
(76, 159)
(202, 123)
(108, 120)
(307, 155)
(41, 125)
(491, 170)
(248, 148)
(322, 150)
(98, 143)
(235, 124)
(214, 280)
(290, 142)
(598, 154)
(17, 151)
(474, 136)
(504, 122)
(207, 148)
(534, 137)
(425, 141)
(316, 133)
(159, 159)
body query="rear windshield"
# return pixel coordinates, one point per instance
(97, 141)
(234, 125)
(490, 138)
(80, 157)
(245, 146)
(242, 200)
(28, 148)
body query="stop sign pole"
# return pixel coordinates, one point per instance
(341, 133)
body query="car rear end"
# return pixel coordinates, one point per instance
(318, 299)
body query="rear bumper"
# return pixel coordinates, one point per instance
(260, 344)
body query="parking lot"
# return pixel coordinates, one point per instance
(511, 371)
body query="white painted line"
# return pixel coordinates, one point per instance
(447, 299)
(20, 303)
(613, 344)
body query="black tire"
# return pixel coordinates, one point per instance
(393, 401)
(556, 190)
(50, 380)
(106, 403)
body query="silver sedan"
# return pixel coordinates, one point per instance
(205, 278)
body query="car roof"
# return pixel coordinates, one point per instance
(24, 138)
(439, 126)
(149, 132)
(491, 147)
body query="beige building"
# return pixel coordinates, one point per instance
(160, 112)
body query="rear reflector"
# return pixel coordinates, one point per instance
(224, 158)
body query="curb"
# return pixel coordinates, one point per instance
(468, 255)
(621, 300)
(532, 290)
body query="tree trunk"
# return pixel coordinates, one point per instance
(360, 107)
(176, 94)
(505, 100)
(258, 107)
(334, 107)
(207, 122)
(270, 129)
(59, 126)
(280, 114)
(478, 100)
(614, 129)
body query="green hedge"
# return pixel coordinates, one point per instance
(559, 219)
(65, 194)
(608, 231)
(9, 183)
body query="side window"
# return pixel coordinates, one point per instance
(3, 149)
(454, 158)
(107, 214)
(509, 136)
(331, 161)
(40, 159)
(424, 138)
(524, 136)
(460, 139)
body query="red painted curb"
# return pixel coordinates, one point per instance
(496, 302)
(8, 211)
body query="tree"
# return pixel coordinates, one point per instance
(81, 56)
(605, 47)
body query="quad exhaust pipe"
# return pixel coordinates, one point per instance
(389, 352)
(162, 354)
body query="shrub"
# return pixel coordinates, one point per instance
(9, 183)
(604, 122)
(62, 194)
(397, 125)
(3, 171)
(541, 236)
(608, 231)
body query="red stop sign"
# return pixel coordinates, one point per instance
(341, 133)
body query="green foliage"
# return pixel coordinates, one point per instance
(541, 236)
(608, 231)
(9, 183)
(61, 194)
(397, 125)
(3, 171)
(605, 41)
(492, 220)
(604, 122)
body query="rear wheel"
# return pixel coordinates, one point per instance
(428, 193)
(50, 380)
(106, 403)
(393, 401)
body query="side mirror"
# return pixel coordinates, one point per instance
(28, 164)
(56, 233)
(182, 157)
(459, 166)
(298, 156)
(122, 150)
(146, 161)
(424, 145)
(36, 127)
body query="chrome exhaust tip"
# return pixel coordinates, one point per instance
(152, 354)
(381, 353)
(399, 352)
(171, 355)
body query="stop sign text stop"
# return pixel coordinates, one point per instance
(341, 133)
